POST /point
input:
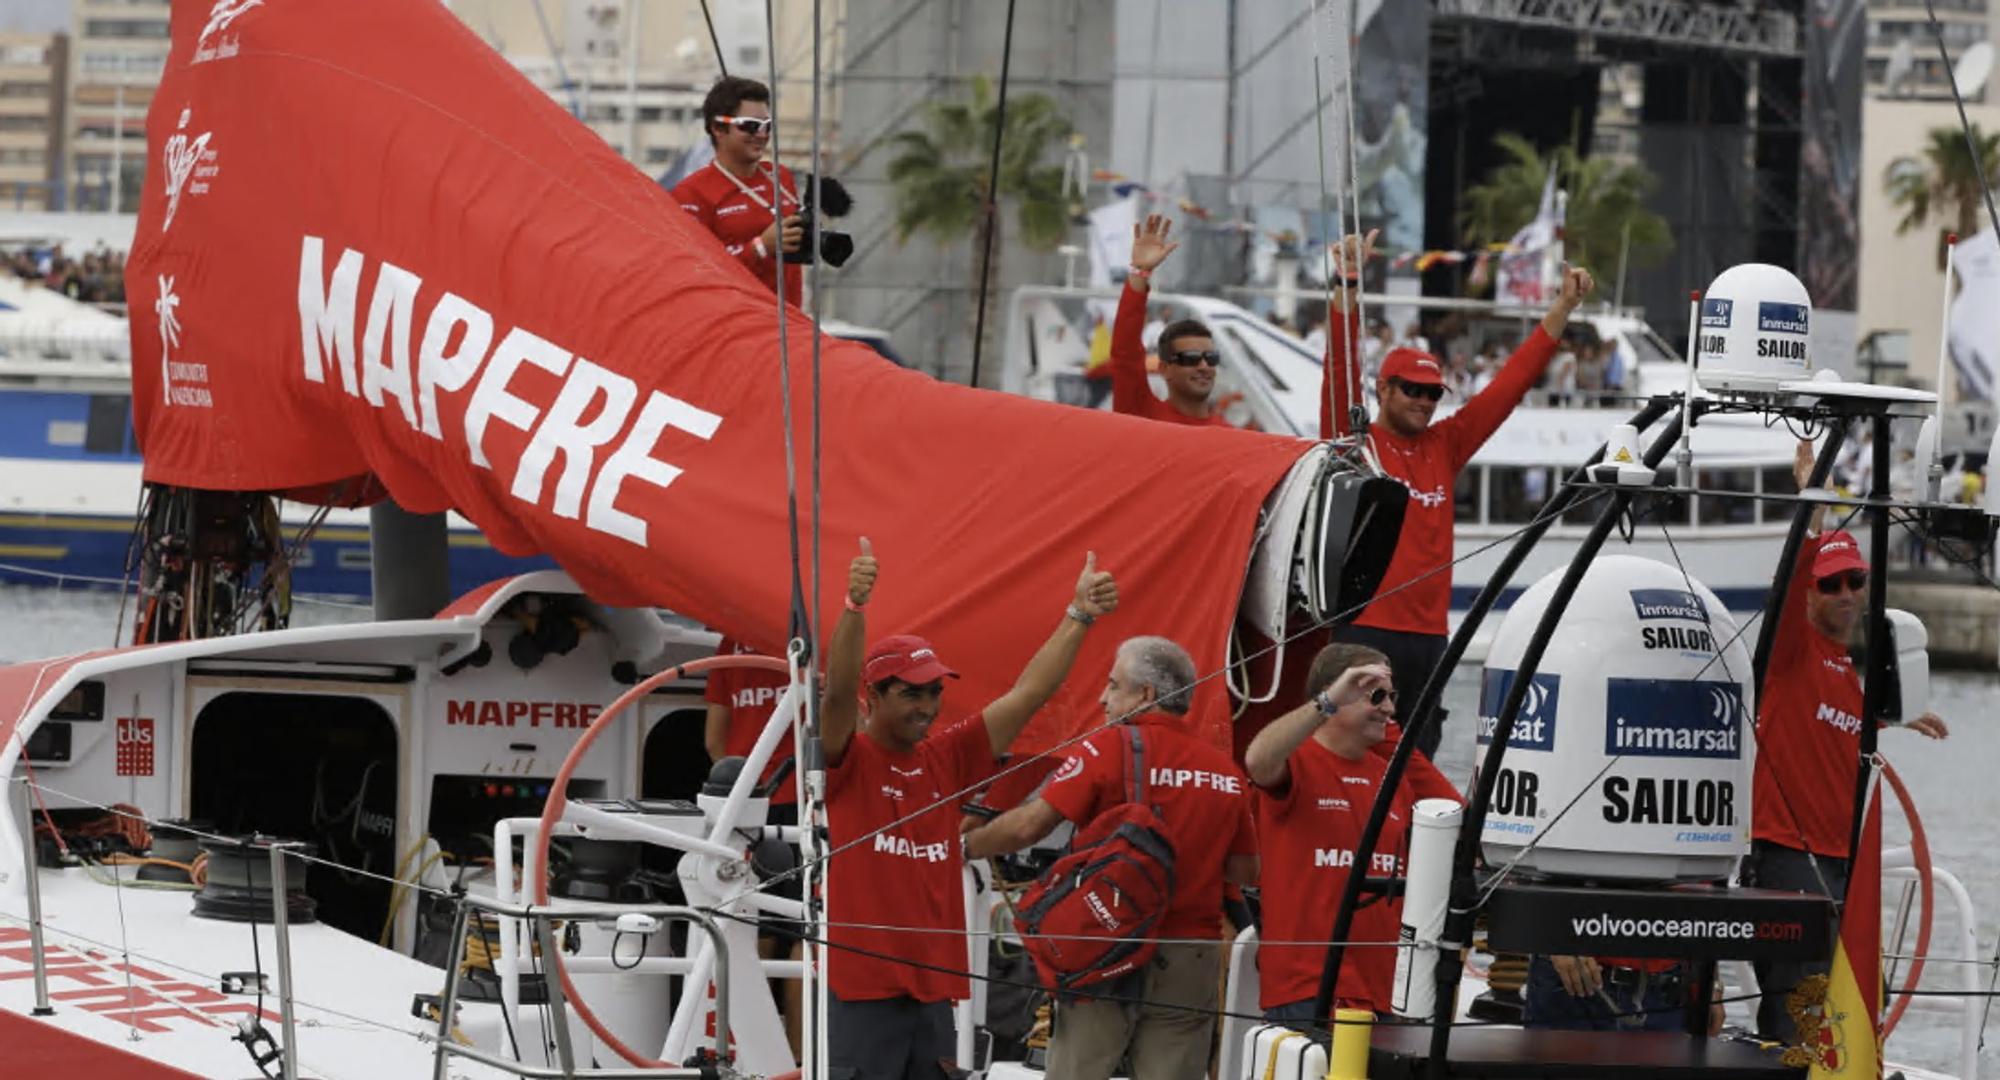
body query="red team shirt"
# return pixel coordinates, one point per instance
(1429, 465)
(1198, 792)
(1130, 392)
(908, 876)
(1308, 828)
(1808, 732)
(752, 696)
(738, 217)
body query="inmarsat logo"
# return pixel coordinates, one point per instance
(1669, 604)
(181, 156)
(1535, 726)
(181, 382)
(1716, 313)
(1673, 718)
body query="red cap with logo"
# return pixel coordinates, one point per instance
(906, 657)
(1837, 553)
(1412, 366)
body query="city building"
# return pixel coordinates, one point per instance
(1902, 47)
(118, 49)
(33, 76)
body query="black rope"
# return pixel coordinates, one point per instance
(721, 64)
(992, 196)
(1965, 125)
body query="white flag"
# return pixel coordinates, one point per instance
(1975, 316)
(1522, 278)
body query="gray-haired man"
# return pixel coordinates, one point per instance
(1205, 804)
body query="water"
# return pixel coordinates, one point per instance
(1953, 782)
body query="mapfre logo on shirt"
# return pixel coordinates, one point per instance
(1195, 778)
(732, 208)
(1327, 802)
(888, 844)
(755, 697)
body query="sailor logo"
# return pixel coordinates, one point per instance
(181, 382)
(1715, 313)
(220, 16)
(1535, 726)
(1673, 718)
(189, 163)
(1775, 317)
(1669, 604)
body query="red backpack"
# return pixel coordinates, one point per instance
(1091, 917)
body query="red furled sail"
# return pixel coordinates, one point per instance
(368, 249)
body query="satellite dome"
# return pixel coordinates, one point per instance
(1755, 330)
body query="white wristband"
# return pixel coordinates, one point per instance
(762, 251)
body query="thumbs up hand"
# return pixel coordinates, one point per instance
(861, 575)
(1096, 592)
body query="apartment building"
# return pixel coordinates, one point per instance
(33, 73)
(118, 49)
(1902, 43)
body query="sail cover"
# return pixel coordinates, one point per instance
(369, 249)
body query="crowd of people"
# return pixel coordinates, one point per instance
(1283, 821)
(97, 277)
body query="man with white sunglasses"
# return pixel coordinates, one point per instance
(732, 197)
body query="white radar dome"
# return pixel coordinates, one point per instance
(1633, 722)
(1755, 330)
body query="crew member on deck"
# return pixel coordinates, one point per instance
(731, 196)
(1809, 743)
(1201, 799)
(740, 703)
(1406, 620)
(1188, 356)
(1316, 771)
(891, 990)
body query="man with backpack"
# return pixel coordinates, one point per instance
(1164, 805)
(894, 781)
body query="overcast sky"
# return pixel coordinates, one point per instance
(34, 15)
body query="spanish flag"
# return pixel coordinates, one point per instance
(1848, 1042)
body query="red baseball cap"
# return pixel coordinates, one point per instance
(1837, 553)
(906, 657)
(1412, 366)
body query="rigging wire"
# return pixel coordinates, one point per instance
(721, 64)
(992, 208)
(1964, 125)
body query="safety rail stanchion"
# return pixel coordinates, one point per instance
(542, 917)
(37, 951)
(281, 927)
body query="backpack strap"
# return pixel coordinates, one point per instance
(1135, 765)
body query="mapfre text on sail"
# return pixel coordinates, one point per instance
(593, 471)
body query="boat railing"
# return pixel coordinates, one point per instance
(1960, 953)
(642, 918)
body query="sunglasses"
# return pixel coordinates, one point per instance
(1191, 358)
(1418, 390)
(1381, 695)
(1853, 579)
(748, 125)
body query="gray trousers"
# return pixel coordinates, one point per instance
(1775, 866)
(890, 1039)
(1167, 1043)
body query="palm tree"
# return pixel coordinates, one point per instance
(941, 173)
(1942, 180)
(1606, 215)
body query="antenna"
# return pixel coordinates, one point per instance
(1902, 61)
(1974, 67)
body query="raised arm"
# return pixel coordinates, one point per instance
(1478, 418)
(1265, 760)
(1343, 326)
(1150, 247)
(1096, 595)
(840, 707)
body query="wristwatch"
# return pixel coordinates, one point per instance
(1323, 701)
(1082, 617)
